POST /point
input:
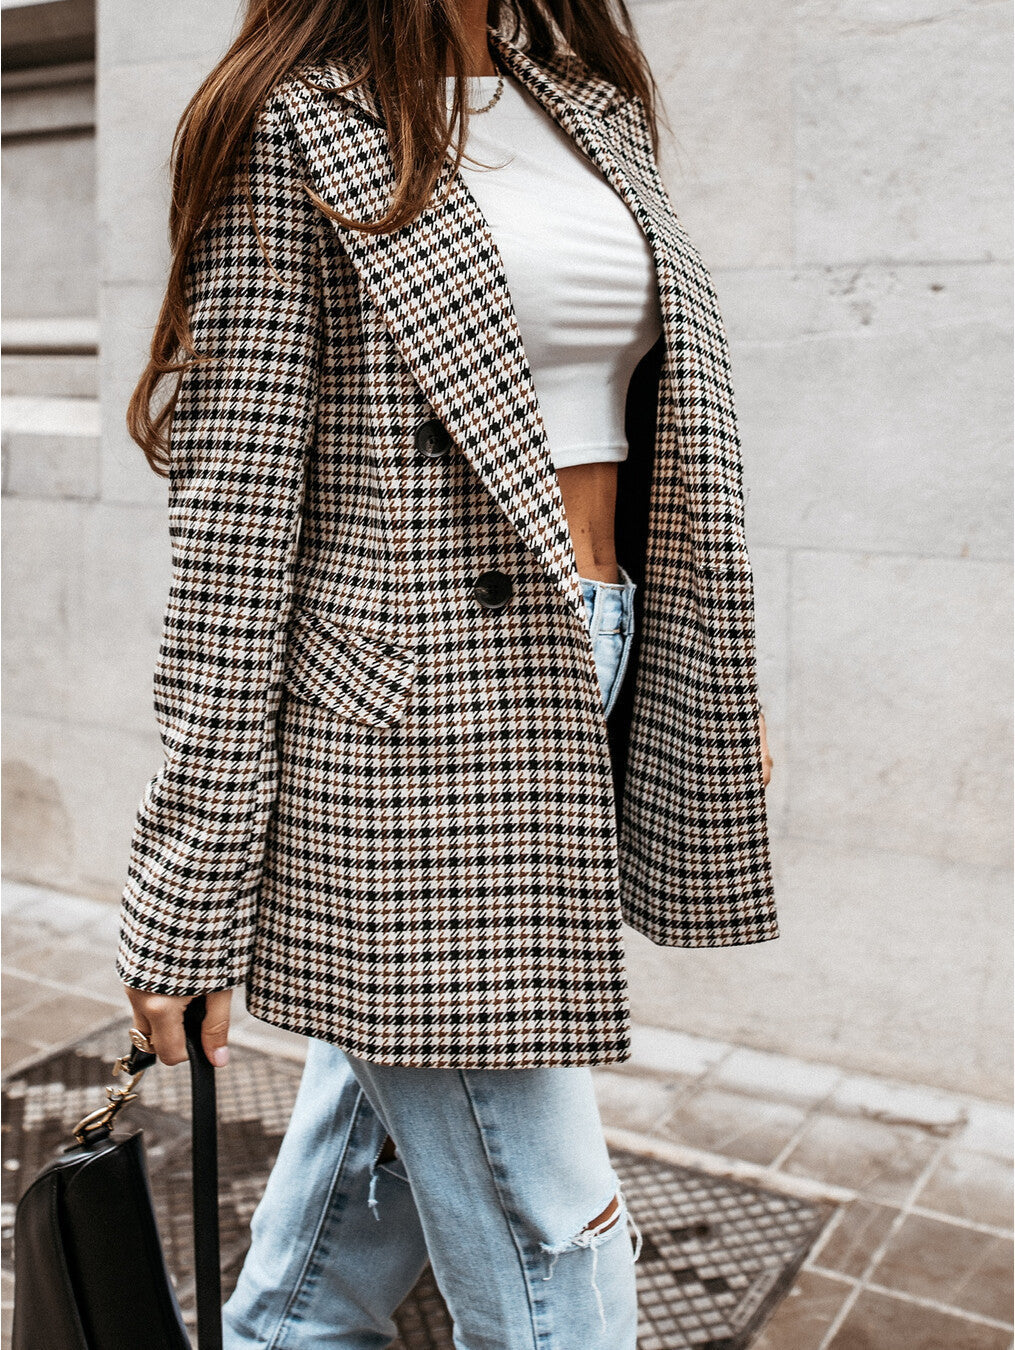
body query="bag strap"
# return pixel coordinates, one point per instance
(204, 1156)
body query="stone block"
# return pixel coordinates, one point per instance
(950, 1264)
(805, 1314)
(61, 467)
(51, 447)
(201, 29)
(880, 1319)
(116, 618)
(881, 1162)
(900, 725)
(19, 993)
(49, 242)
(85, 589)
(632, 1103)
(50, 376)
(857, 1230)
(734, 1126)
(887, 964)
(56, 915)
(989, 1130)
(71, 794)
(128, 317)
(106, 928)
(779, 1076)
(875, 406)
(44, 1026)
(16, 896)
(139, 107)
(43, 556)
(671, 1053)
(902, 112)
(40, 107)
(81, 967)
(728, 165)
(971, 1186)
(899, 1104)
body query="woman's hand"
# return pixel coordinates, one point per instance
(160, 1018)
(766, 758)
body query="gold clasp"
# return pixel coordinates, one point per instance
(118, 1097)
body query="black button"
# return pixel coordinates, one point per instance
(492, 590)
(432, 439)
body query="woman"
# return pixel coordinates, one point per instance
(426, 739)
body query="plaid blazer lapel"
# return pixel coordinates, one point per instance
(439, 285)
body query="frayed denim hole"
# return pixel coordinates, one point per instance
(382, 1164)
(372, 1194)
(591, 1239)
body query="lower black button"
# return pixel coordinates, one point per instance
(432, 439)
(493, 590)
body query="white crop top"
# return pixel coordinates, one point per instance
(578, 267)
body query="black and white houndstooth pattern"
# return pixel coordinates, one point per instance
(391, 812)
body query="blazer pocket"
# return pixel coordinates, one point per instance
(355, 676)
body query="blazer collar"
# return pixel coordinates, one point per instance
(557, 81)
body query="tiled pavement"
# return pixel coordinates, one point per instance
(918, 1257)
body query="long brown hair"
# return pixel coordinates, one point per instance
(404, 45)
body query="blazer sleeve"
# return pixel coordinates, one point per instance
(241, 432)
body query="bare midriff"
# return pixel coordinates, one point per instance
(590, 498)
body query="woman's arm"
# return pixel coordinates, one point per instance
(242, 428)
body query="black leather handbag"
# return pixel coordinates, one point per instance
(90, 1273)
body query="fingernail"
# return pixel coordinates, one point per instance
(220, 1056)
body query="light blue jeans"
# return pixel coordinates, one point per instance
(609, 609)
(497, 1178)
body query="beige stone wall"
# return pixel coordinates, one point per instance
(840, 165)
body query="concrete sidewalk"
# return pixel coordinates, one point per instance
(918, 1257)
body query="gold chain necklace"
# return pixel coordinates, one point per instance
(491, 101)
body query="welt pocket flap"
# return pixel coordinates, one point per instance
(353, 675)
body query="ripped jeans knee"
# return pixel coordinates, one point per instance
(614, 1220)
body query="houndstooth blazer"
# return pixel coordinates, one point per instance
(389, 802)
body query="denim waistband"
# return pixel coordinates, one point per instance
(590, 584)
(609, 605)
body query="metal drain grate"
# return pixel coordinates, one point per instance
(717, 1255)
